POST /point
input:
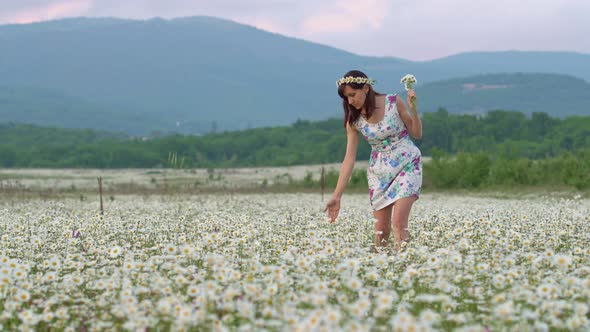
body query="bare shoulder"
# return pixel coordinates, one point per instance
(380, 100)
(380, 103)
(401, 106)
(351, 128)
(399, 101)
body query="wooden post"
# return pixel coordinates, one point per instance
(100, 193)
(323, 181)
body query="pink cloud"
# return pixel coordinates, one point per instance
(330, 23)
(347, 16)
(50, 11)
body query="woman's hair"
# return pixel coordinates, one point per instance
(351, 114)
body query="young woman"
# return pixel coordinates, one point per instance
(395, 165)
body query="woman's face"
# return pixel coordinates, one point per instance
(356, 97)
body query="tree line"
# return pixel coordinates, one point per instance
(498, 134)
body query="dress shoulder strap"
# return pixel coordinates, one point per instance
(392, 98)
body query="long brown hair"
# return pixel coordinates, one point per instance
(351, 114)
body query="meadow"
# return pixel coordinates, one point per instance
(271, 261)
(157, 180)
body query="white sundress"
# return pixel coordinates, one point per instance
(395, 165)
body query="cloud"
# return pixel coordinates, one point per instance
(413, 29)
(345, 17)
(48, 11)
(268, 25)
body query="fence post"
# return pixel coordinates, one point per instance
(100, 193)
(323, 181)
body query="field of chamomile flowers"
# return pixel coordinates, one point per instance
(272, 262)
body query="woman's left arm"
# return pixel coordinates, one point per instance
(411, 119)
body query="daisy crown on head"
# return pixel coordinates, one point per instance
(352, 79)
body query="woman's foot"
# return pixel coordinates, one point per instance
(402, 245)
(380, 250)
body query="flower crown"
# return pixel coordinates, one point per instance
(352, 79)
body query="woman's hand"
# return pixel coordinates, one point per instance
(412, 99)
(333, 207)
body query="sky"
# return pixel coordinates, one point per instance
(416, 30)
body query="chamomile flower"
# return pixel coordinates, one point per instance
(170, 249)
(54, 263)
(354, 284)
(562, 261)
(115, 251)
(22, 296)
(192, 290)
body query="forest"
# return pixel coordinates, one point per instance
(467, 151)
(498, 134)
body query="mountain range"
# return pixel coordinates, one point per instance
(201, 74)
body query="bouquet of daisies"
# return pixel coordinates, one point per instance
(407, 81)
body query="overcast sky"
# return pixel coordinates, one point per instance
(411, 29)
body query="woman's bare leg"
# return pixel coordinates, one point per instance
(382, 227)
(401, 214)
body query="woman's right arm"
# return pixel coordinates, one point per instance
(352, 140)
(333, 205)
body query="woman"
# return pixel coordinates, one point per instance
(395, 166)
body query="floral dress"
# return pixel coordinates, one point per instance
(395, 166)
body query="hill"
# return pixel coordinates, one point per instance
(558, 95)
(201, 74)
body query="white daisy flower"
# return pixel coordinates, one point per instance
(562, 261)
(354, 284)
(22, 296)
(115, 251)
